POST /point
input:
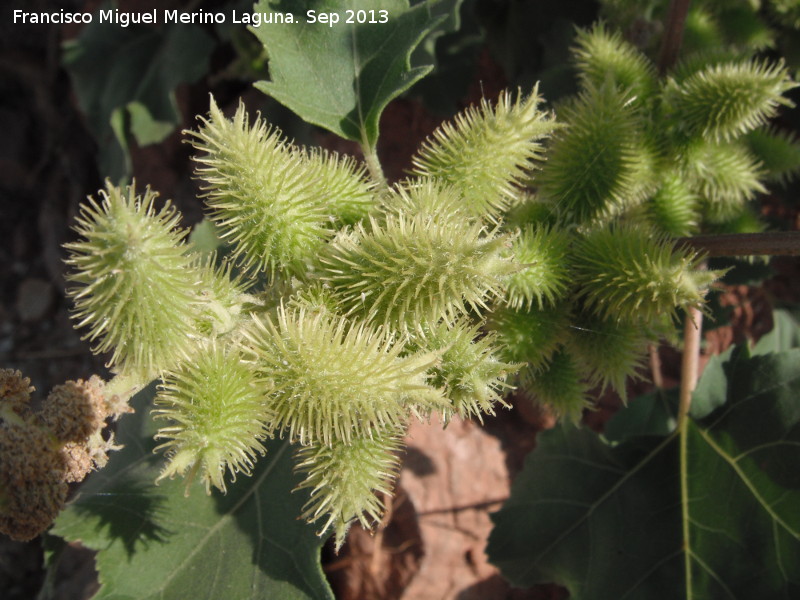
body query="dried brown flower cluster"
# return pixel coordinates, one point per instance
(42, 451)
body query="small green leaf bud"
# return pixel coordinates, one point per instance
(608, 351)
(276, 204)
(346, 477)
(723, 101)
(628, 274)
(414, 269)
(529, 335)
(561, 386)
(217, 417)
(544, 277)
(488, 152)
(133, 281)
(472, 377)
(334, 380)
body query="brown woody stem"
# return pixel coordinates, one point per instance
(673, 35)
(774, 243)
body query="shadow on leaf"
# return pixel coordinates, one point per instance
(285, 549)
(128, 511)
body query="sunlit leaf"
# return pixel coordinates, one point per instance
(342, 75)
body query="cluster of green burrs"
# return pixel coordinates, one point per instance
(519, 252)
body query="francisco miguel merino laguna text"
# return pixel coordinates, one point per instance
(151, 17)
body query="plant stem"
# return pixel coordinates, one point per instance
(655, 366)
(124, 386)
(693, 328)
(374, 165)
(673, 35)
(683, 450)
(692, 332)
(772, 243)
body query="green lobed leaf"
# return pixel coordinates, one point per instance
(449, 13)
(342, 76)
(608, 521)
(575, 517)
(453, 48)
(654, 413)
(125, 78)
(712, 389)
(153, 542)
(204, 238)
(785, 334)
